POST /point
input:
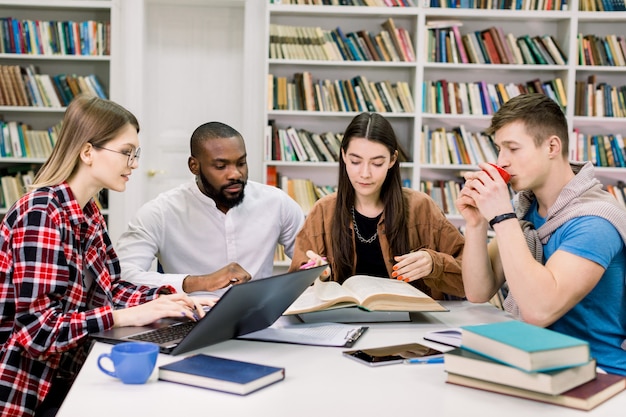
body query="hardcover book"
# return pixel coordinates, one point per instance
(221, 374)
(370, 293)
(584, 397)
(525, 346)
(464, 362)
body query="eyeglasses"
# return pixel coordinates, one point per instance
(130, 154)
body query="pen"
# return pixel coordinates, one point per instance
(311, 263)
(437, 359)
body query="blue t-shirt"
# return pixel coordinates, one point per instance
(600, 317)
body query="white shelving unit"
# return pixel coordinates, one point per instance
(562, 25)
(42, 118)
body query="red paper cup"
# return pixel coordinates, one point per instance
(505, 175)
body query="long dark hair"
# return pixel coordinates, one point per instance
(373, 127)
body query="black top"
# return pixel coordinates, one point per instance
(369, 256)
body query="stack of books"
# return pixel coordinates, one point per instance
(532, 362)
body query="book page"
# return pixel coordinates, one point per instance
(319, 296)
(389, 294)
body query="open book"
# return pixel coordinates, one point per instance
(370, 293)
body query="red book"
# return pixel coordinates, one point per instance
(490, 46)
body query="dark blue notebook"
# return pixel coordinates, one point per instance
(221, 374)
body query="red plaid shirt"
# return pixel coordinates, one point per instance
(47, 245)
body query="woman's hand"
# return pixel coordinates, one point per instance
(170, 305)
(317, 260)
(412, 266)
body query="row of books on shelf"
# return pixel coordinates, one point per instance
(357, 94)
(446, 43)
(602, 5)
(292, 144)
(609, 50)
(483, 98)
(392, 44)
(40, 37)
(304, 191)
(599, 99)
(527, 361)
(25, 86)
(370, 3)
(444, 193)
(456, 146)
(18, 140)
(603, 150)
(501, 4)
(14, 184)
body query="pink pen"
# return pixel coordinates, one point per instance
(311, 263)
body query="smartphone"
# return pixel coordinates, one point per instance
(387, 355)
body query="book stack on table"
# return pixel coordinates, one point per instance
(532, 362)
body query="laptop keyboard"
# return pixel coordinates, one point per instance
(167, 334)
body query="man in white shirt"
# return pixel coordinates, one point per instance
(218, 231)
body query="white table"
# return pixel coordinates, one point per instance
(321, 382)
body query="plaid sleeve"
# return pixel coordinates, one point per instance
(50, 312)
(124, 293)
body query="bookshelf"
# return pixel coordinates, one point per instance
(36, 26)
(563, 25)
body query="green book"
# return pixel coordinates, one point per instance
(525, 346)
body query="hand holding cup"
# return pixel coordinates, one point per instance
(505, 175)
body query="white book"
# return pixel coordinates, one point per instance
(319, 143)
(308, 146)
(16, 146)
(517, 53)
(294, 139)
(488, 150)
(552, 49)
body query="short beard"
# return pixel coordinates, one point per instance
(219, 196)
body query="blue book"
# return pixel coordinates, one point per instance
(221, 374)
(16, 36)
(525, 346)
(617, 152)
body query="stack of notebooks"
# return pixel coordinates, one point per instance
(527, 361)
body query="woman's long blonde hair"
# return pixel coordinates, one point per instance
(88, 119)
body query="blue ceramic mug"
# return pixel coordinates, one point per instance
(133, 362)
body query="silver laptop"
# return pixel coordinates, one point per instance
(243, 309)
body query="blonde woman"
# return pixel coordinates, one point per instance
(59, 275)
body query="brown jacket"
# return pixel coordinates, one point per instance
(428, 230)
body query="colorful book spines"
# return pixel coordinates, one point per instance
(447, 44)
(38, 37)
(482, 98)
(25, 86)
(548, 5)
(304, 93)
(367, 3)
(314, 43)
(456, 147)
(602, 150)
